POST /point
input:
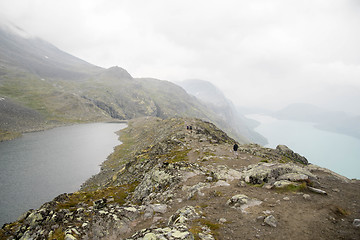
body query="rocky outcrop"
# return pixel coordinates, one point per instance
(277, 174)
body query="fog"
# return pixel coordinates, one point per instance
(262, 53)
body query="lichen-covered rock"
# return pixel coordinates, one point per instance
(183, 215)
(265, 172)
(282, 183)
(238, 200)
(179, 232)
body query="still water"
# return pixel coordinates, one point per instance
(41, 165)
(337, 152)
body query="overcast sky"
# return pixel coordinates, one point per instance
(260, 53)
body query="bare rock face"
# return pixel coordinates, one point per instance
(287, 152)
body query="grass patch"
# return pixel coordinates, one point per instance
(119, 193)
(293, 187)
(285, 160)
(6, 135)
(196, 228)
(340, 211)
(177, 156)
(259, 185)
(58, 234)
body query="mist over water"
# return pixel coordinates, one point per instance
(39, 166)
(337, 152)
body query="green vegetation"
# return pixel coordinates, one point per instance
(197, 224)
(177, 156)
(58, 234)
(285, 160)
(119, 194)
(293, 187)
(6, 135)
(340, 211)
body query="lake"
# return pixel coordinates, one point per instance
(337, 152)
(41, 165)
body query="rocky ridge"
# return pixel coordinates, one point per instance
(168, 182)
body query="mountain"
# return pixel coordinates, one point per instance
(215, 100)
(62, 89)
(167, 182)
(34, 55)
(334, 121)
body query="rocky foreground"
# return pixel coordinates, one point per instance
(167, 182)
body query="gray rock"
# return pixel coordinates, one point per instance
(34, 218)
(159, 208)
(267, 172)
(184, 214)
(271, 221)
(306, 197)
(150, 236)
(203, 236)
(316, 190)
(238, 200)
(356, 223)
(69, 237)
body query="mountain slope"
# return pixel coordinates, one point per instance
(215, 100)
(39, 57)
(63, 89)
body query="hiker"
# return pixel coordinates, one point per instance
(235, 149)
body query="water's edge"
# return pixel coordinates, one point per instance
(41, 165)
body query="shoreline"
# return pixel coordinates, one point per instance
(8, 135)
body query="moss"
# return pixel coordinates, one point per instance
(294, 187)
(216, 193)
(197, 224)
(285, 160)
(58, 234)
(119, 193)
(195, 230)
(177, 156)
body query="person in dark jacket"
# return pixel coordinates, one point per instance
(235, 149)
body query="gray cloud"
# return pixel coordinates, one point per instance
(267, 53)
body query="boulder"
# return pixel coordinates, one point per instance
(238, 200)
(271, 221)
(356, 223)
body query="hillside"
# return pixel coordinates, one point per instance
(167, 182)
(215, 100)
(62, 89)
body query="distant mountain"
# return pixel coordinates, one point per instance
(59, 88)
(334, 121)
(39, 57)
(215, 99)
